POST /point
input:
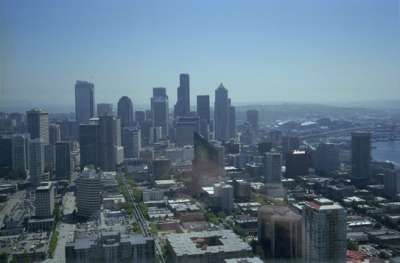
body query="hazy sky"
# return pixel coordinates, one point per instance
(316, 51)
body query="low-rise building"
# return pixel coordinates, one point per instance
(205, 246)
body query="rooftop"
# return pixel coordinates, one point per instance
(206, 242)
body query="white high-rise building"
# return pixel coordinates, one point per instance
(36, 161)
(324, 231)
(44, 200)
(88, 194)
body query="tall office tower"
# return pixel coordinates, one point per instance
(326, 158)
(203, 111)
(182, 107)
(84, 101)
(125, 111)
(221, 114)
(360, 156)
(155, 134)
(105, 109)
(252, 118)
(391, 182)
(44, 200)
(280, 232)
(298, 163)
(159, 110)
(88, 193)
(49, 158)
(232, 121)
(273, 167)
(6, 152)
(89, 144)
(20, 152)
(324, 237)
(69, 130)
(140, 117)
(109, 142)
(208, 163)
(54, 133)
(36, 161)
(185, 128)
(38, 124)
(132, 142)
(63, 160)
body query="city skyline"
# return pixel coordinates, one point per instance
(322, 52)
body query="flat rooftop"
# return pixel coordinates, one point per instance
(206, 242)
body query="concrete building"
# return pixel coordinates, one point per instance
(272, 167)
(38, 124)
(326, 158)
(84, 101)
(109, 142)
(205, 246)
(324, 236)
(185, 128)
(88, 193)
(20, 152)
(36, 161)
(125, 112)
(225, 196)
(54, 133)
(160, 110)
(391, 182)
(280, 232)
(140, 117)
(298, 163)
(360, 156)
(105, 109)
(49, 158)
(6, 151)
(110, 247)
(63, 160)
(132, 142)
(89, 144)
(44, 200)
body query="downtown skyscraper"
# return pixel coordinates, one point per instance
(182, 106)
(38, 125)
(360, 156)
(125, 111)
(203, 111)
(160, 110)
(222, 110)
(84, 101)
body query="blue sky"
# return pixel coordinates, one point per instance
(263, 51)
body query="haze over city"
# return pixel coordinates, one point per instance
(314, 51)
(200, 131)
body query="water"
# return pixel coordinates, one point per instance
(387, 151)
